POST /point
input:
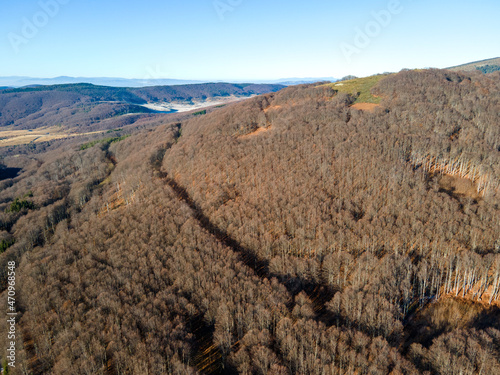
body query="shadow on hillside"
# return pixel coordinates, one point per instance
(318, 293)
(6, 173)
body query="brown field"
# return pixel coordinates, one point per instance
(370, 107)
(21, 137)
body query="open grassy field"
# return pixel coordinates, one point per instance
(9, 137)
(359, 87)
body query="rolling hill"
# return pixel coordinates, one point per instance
(86, 107)
(486, 66)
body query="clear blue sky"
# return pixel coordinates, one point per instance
(245, 40)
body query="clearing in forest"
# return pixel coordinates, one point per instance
(360, 88)
(458, 186)
(370, 107)
(255, 132)
(271, 107)
(10, 137)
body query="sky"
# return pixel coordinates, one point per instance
(241, 39)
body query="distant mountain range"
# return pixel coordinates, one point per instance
(486, 66)
(20, 81)
(298, 81)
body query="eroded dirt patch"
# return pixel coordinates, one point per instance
(370, 107)
(255, 133)
(271, 108)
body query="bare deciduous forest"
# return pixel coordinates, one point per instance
(286, 234)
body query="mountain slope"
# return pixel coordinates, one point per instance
(478, 65)
(290, 233)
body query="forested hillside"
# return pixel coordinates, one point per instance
(291, 233)
(486, 66)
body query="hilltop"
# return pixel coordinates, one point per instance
(360, 89)
(486, 66)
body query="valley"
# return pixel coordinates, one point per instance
(174, 107)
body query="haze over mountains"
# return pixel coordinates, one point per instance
(148, 81)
